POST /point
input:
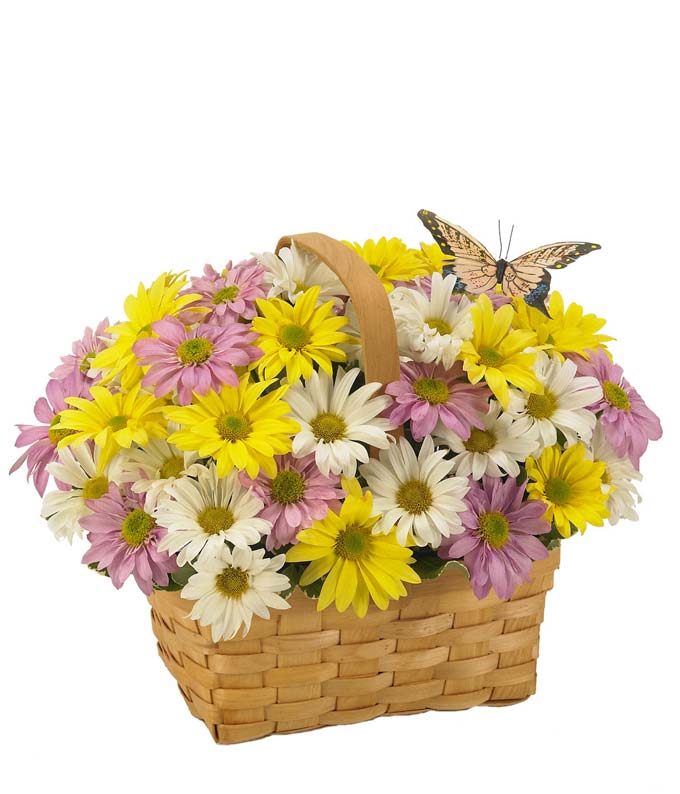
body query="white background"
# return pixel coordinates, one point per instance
(144, 136)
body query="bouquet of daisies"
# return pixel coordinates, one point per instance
(217, 439)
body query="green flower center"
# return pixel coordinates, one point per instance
(480, 441)
(233, 427)
(214, 520)
(85, 363)
(118, 423)
(172, 467)
(557, 491)
(541, 406)
(494, 529)
(55, 434)
(195, 351)
(288, 487)
(225, 295)
(439, 325)
(489, 357)
(328, 427)
(352, 542)
(435, 391)
(232, 582)
(96, 487)
(137, 527)
(294, 337)
(414, 496)
(300, 287)
(615, 396)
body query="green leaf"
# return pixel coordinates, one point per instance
(293, 572)
(181, 576)
(554, 544)
(313, 590)
(432, 566)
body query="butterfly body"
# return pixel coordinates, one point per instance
(477, 270)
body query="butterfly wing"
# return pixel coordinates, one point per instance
(556, 256)
(473, 265)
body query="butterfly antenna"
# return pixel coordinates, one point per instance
(500, 239)
(507, 250)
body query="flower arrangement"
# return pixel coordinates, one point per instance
(216, 441)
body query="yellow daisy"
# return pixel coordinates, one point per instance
(497, 354)
(432, 257)
(392, 260)
(357, 563)
(571, 486)
(569, 331)
(238, 427)
(150, 304)
(113, 421)
(296, 336)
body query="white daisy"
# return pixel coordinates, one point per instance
(618, 479)
(202, 512)
(77, 467)
(416, 494)
(294, 270)
(562, 406)
(336, 424)
(434, 328)
(496, 449)
(232, 586)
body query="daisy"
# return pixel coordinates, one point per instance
(391, 260)
(498, 545)
(498, 354)
(617, 480)
(224, 297)
(429, 393)
(432, 329)
(335, 424)
(233, 586)
(416, 493)
(75, 370)
(294, 498)
(239, 428)
(297, 337)
(78, 470)
(357, 563)
(494, 450)
(571, 486)
(628, 423)
(124, 540)
(194, 360)
(562, 406)
(295, 270)
(201, 513)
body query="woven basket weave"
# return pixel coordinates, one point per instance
(437, 648)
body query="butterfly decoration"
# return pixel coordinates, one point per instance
(477, 270)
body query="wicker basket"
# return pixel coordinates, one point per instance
(437, 648)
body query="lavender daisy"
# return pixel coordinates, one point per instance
(230, 294)
(498, 545)
(74, 371)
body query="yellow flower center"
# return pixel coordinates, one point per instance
(435, 391)
(606, 480)
(541, 406)
(352, 542)
(294, 337)
(489, 357)
(558, 491)
(288, 487)
(480, 441)
(233, 427)
(225, 295)
(86, 362)
(414, 496)
(118, 423)
(494, 529)
(214, 520)
(96, 487)
(439, 325)
(55, 434)
(232, 582)
(328, 427)
(172, 467)
(195, 351)
(615, 396)
(137, 527)
(301, 287)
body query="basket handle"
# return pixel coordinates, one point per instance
(374, 313)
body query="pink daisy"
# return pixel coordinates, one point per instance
(194, 360)
(74, 369)
(124, 539)
(42, 439)
(294, 498)
(628, 424)
(498, 545)
(428, 393)
(230, 294)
